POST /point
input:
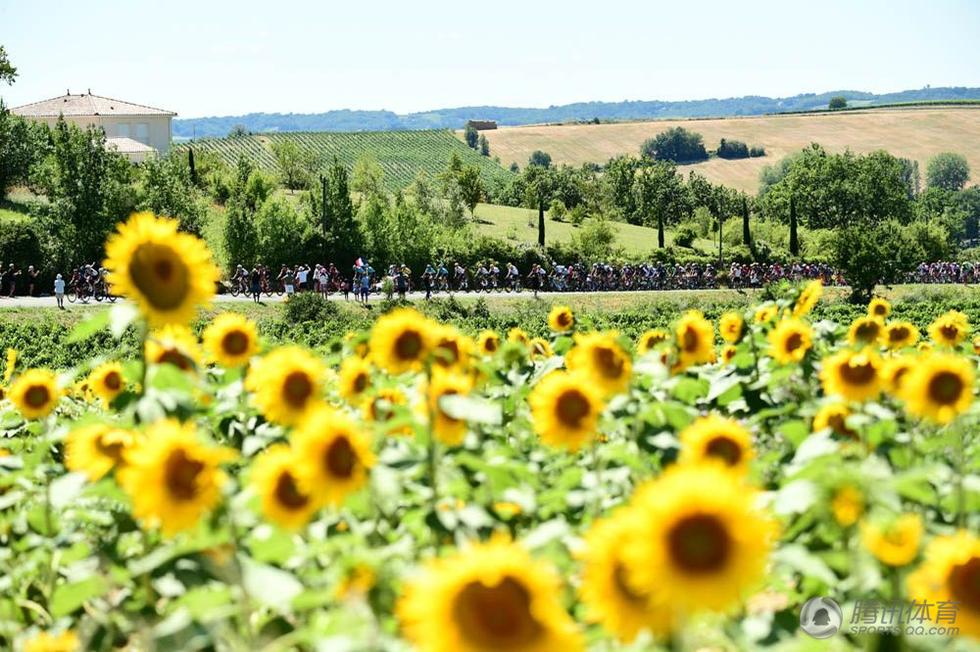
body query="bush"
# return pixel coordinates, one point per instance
(732, 149)
(685, 236)
(20, 244)
(756, 151)
(308, 307)
(837, 102)
(676, 144)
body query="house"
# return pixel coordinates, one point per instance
(134, 130)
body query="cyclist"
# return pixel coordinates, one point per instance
(428, 279)
(513, 277)
(255, 280)
(443, 277)
(459, 277)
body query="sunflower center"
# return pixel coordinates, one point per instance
(340, 458)
(964, 583)
(180, 475)
(360, 382)
(945, 388)
(448, 352)
(496, 617)
(37, 396)
(838, 423)
(297, 389)
(879, 309)
(724, 448)
(490, 345)
(699, 544)
(793, 342)
(623, 587)
(408, 345)
(572, 406)
(234, 343)
(690, 339)
(111, 449)
(867, 331)
(898, 334)
(609, 362)
(112, 381)
(176, 358)
(160, 275)
(950, 332)
(857, 372)
(564, 319)
(288, 494)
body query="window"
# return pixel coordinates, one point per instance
(143, 133)
(122, 130)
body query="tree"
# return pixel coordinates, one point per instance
(165, 189)
(22, 144)
(746, 233)
(731, 149)
(340, 230)
(619, 183)
(240, 234)
(541, 224)
(293, 163)
(484, 145)
(883, 253)
(794, 238)
(948, 171)
(661, 196)
(540, 159)
(281, 234)
(471, 136)
(471, 186)
(192, 168)
(8, 73)
(238, 131)
(368, 178)
(677, 145)
(837, 102)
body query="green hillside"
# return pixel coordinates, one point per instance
(401, 154)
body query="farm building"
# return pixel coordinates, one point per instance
(482, 125)
(134, 130)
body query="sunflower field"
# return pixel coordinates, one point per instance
(417, 488)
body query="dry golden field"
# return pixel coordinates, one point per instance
(911, 133)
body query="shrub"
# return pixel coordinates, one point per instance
(676, 144)
(308, 307)
(756, 151)
(19, 243)
(837, 102)
(731, 149)
(685, 236)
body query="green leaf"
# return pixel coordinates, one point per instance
(472, 409)
(803, 561)
(89, 327)
(271, 586)
(69, 597)
(121, 316)
(66, 488)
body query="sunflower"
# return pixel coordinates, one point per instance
(491, 596)
(650, 339)
(35, 393)
(565, 409)
(451, 349)
(175, 345)
(66, 641)
(730, 327)
(895, 543)
(950, 328)
(834, 416)
(854, 375)
(231, 340)
(448, 429)
(401, 340)
(938, 387)
(599, 358)
(540, 348)
(172, 478)
(697, 541)
(332, 456)
(976, 345)
(561, 319)
(879, 308)
(899, 335)
(790, 340)
(286, 383)
(9, 364)
(607, 597)
(716, 438)
(951, 573)
(380, 409)
(96, 449)
(728, 353)
(865, 331)
(275, 482)
(808, 298)
(695, 338)
(167, 273)
(894, 371)
(518, 336)
(765, 313)
(106, 381)
(355, 377)
(847, 505)
(488, 342)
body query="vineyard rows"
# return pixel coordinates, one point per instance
(401, 154)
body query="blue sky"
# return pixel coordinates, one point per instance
(208, 57)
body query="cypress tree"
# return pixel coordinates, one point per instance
(541, 221)
(190, 164)
(746, 234)
(794, 240)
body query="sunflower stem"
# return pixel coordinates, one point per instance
(432, 466)
(246, 604)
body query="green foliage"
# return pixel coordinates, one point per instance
(240, 235)
(471, 136)
(19, 243)
(293, 163)
(948, 171)
(596, 241)
(540, 159)
(283, 236)
(732, 149)
(484, 145)
(685, 236)
(8, 73)
(677, 145)
(837, 102)
(22, 144)
(883, 253)
(309, 307)
(165, 188)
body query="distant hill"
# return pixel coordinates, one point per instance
(401, 155)
(455, 118)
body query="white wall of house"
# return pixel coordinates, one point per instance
(152, 130)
